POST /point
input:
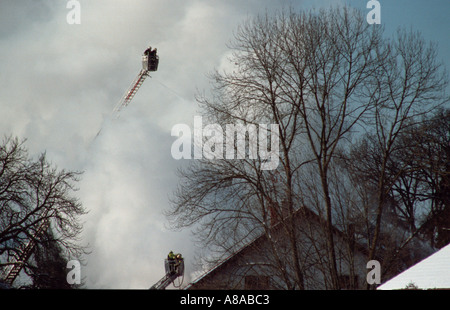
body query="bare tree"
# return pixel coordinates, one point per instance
(416, 174)
(434, 154)
(36, 206)
(322, 77)
(342, 54)
(411, 83)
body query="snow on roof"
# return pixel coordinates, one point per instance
(431, 273)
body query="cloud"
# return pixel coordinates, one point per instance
(59, 84)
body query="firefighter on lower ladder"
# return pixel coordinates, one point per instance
(174, 262)
(174, 267)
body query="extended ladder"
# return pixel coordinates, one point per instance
(25, 253)
(174, 269)
(164, 282)
(132, 90)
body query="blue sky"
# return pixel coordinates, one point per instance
(60, 82)
(428, 17)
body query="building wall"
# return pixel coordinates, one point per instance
(258, 265)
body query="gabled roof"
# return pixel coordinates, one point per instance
(431, 273)
(223, 262)
(302, 213)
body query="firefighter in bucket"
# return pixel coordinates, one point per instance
(150, 59)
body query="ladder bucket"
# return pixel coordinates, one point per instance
(174, 267)
(150, 61)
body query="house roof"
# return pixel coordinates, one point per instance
(432, 272)
(300, 213)
(223, 262)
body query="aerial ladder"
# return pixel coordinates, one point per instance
(174, 269)
(26, 252)
(150, 61)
